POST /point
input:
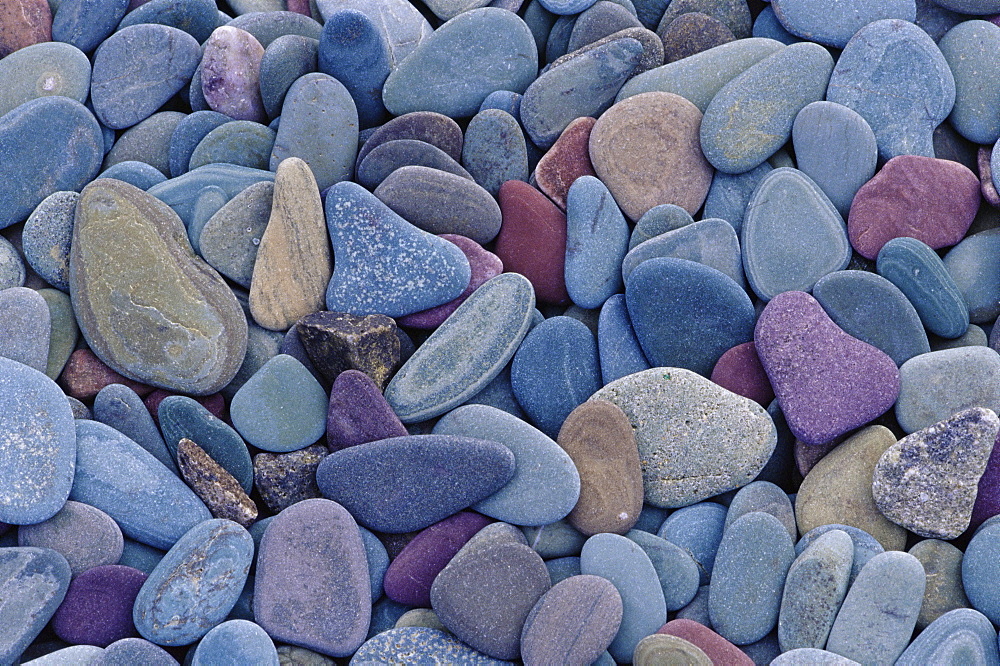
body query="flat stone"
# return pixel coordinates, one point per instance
(877, 617)
(686, 459)
(960, 635)
(545, 485)
(705, 314)
(231, 237)
(815, 369)
(836, 27)
(285, 60)
(941, 198)
(282, 479)
(709, 241)
(358, 412)
(718, 649)
(812, 656)
(452, 79)
(966, 48)
(354, 50)
(925, 484)
(36, 580)
(385, 158)
(617, 346)
(397, 470)
(210, 326)
(662, 648)
(739, 370)
(423, 643)
(935, 386)
(596, 241)
(730, 12)
(970, 265)
(216, 487)
(239, 640)
(42, 69)
(865, 545)
(943, 593)
(230, 74)
(765, 497)
(763, 102)
(86, 536)
(242, 142)
(135, 650)
(198, 18)
(25, 327)
(875, 77)
(691, 33)
(97, 609)
(675, 567)
(599, 20)
(638, 146)
(195, 585)
(121, 408)
(402, 24)
(566, 160)
(23, 24)
(267, 26)
(495, 149)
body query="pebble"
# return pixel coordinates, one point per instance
(415, 499)
(566, 160)
(121, 408)
(335, 342)
(35, 580)
(813, 656)
(717, 648)
(282, 479)
(198, 18)
(637, 147)
(710, 241)
(436, 129)
(135, 650)
(927, 482)
(12, 266)
(765, 497)
(285, 60)
(959, 635)
(359, 413)
(86, 536)
(23, 24)
(495, 149)
(239, 641)
(970, 265)
(64, 332)
(98, 606)
(836, 27)
(230, 74)
(420, 645)
(241, 142)
(788, 204)
(942, 563)
(545, 485)
(894, 75)
(878, 615)
(312, 587)
(86, 23)
(24, 327)
(692, 33)
(216, 487)
(555, 540)
(815, 368)
(267, 26)
(966, 47)
(697, 529)
(43, 69)
(730, 193)
(182, 417)
(676, 569)
(354, 51)
(378, 164)
(687, 458)
(617, 346)
(662, 648)
(740, 371)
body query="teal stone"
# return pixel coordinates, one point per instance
(836, 148)
(49, 144)
(35, 581)
(241, 142)
(180, 193)
(267, 26)
(420, 646)
(402, 23)
(198, 18)
(38, 451)
(188, 134)
(116, 475)
(878, 615)
(121, 408)
(12, 268)
(555, 540)
(969, 49)
(763, 496)
(919, 273)
(64, 332)
(626, 565)
(281, 408)
(960, 636)
(698, 78)
(499, 393)
(466, 352)
(658, 220)
(382, 263)
(557, 42)
(41, 70)
(238, 642)
(974, 336)
(25, 327)
(125, 94)
(262, 345)
(596, 241)
(230, 238)
(676, 569)
(494, 150)
(974, 265)
(585, 84)
(285, 60)
(46, 238)
(618, 348)
(814, 589)
(730, 193)
(385, 158)
(894, 75)
(751, 116)
(319, 124)
(860, 303)
(546, 484)
(710, 241)
(148, 142)
(748, 577)
(455, 68)
(180, 416)
(140, 174)
(835, 24)
(195, 585)
(792, 235)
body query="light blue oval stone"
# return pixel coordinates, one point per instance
(970, 49)
(835, 23)
(596, 240)
(710, 241)
(236, 642)
(618, 348)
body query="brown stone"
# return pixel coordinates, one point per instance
(838, 489)
(647, 150)
(338, 341)
(717, 648)
(944, 592)
(282, 479)
(693, 33)
(566, 160)
(598, 437)
(661, 649)
(84, 375)
(294, 263)
(23, 23)
(216, 487)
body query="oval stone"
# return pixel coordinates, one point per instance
(41, 70)
(385, 158)
(183, 417)
(836, 24)
(968, 49)
(970, 264)
(97, 609)
(420, 643)
(240, 641)
(353, 50)
(495, 149)
(619, 350)
(710, 241)
(86, 536)
(86, 23)
(434, 128)
(942, 563)
(596, 241)
(35, 581)
(230, 74)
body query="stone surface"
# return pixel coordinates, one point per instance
(86, 536)
(718, 649)
(596, 241)
(942, 563)
(353, 50)
(385, 158)
(566, 160)
(740, 371)
(970, 265)
(358, 412)
(241, 641)
(35, 581)
(97, 609)
(966, 48)
(25, 327)
(960, 635)
(837, 26)
(691, 33)
(230, 74)
(216, 487)
(24, 23)
(182, 417)
(282, 479)
(495, 149)
(709, 241)
(419, 643)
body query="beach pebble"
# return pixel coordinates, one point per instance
(36, 580)
(495, 149)
(240, 641)
(836, 27)
(962, 634)
(942, 563)
(86, 536)
(412, 643)
(619, 350)
(97, 609)
(381, 161)
(230, 74)
(970, 265)
(216, 487)
(718, 649)
(566, 160)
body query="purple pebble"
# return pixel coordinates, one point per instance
(97, 609)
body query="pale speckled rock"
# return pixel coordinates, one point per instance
(230, 74)
(695, 438)
(34, 581)
(410, 644)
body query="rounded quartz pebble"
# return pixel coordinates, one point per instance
(485, 595)
(961, 635)
(230, 74)
(420, 479)
(41, 70)
(826, 381)
(98, 606)
(238, 642)
(417, 645)
(971, 265)
(25, 327)
(646, 150)
(87, 537)
(135, 651)
(281, 408)
(878, 615)
(557, 632)
(35, 581)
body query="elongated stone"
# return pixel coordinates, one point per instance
(159, 314)
(216, 487)
(230, 74)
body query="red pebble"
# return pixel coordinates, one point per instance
(717, 648)
(566, 160)
(85, 375)
(740, 371)
(532, 240)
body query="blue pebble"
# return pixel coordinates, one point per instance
(961, 635)
(974, 265)
(208, 202)
(730, 193)
(25, 327)
(267, 26)
(140, 556)
(618, 348)
(676, 569)
(650, 519)
(121, 408)
(188, 134)
(86, 23)
(711, 241)
(500, 394)
(698, 530)
(236, 642)
(377, 556)
(198, 18)
(494, 150)
(865, 545)
(241, 142)
(894, 75)
(35, 581)
(687, 315)
(354, 51)
(181, 192)
(833, 24)
(555, 369)
(503, 100)
(659, 220)
(596, 240)
(140, 174)
(562, 568)
(12, 269)
(418, 646)
(566, 7)
(767, 25)
(181, 416)
(135, 651)
(970, 48)
(385, 158)
(285, 60)
(919, 273)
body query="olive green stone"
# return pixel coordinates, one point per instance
(146, 304)
(944, 591)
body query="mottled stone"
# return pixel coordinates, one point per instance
(942, 563)
(42, 69)
(231, 237)
(85, 375)
(691, 33)
(663, 648)
(960, 636)
(230, 74)
(338, 341)
(718, 649)
(183, 417)
(422, 644)
(35, 581)
(282, 479)
(23, 23)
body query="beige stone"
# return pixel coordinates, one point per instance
(667, 650)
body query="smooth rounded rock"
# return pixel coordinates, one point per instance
(865, 545)
(617, 346)
(231, 237)
(24, 23)
(381, 161)
(121, 408)
(717, 648)
(970, 265)
(86, 23)
(427, 126)
(692, 33)
(25, 327)
(230, 74)
(285, 60)
(567, 160)
(238, 641)
(596, 240)
(242, 142)
(44, 69)
(709, 241)
(836, 26)
(186, 136)
(135, 650)
(961, 635)
(943, 593)
(419, 643)
(97, 609)
(678, 572)
(183, 417)
(198, 18)
(86, 536)
(495, 149)
(353, 50)
(966, 48)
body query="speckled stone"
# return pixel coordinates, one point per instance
(183, 417)
(46, 238)
(216, 487)
(691, 33)
(86, 536)
(619, 350)
(241, 641)
(812, 656)
(25, 327)
(495, 149)
(687, 459)
(24, 23)
(230, 74)
(230, 238)
(282, 479)
(36, 580)
(419, 645)
(337, 341)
